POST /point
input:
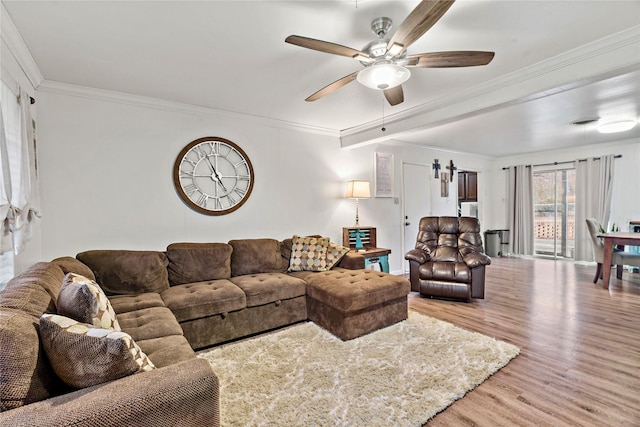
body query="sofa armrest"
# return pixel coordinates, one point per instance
(185, 394)
(417, 255)
(352, 261)
(475, 259)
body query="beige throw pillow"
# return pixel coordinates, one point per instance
(308, 253)
(335, 254)
(83, 300)
(83, 355)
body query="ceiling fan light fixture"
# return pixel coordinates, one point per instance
(383, 76)
(616, 126)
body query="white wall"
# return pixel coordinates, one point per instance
(626, 195)
(106, 168)
(106, 180)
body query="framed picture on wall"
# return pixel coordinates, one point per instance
(383, 174)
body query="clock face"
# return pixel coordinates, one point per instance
(213, 176)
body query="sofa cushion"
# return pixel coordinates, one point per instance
(121, 272)
(353, 290)
(263, 288)
(35, 291)
(83, 355)
(127, 303)
(25, 374)
(82, 299)
(198, 262)
(445, 271)
(252, 256)
(309, 253)
(169, 350)
(197, 300)
(148, 323)
(71, 265)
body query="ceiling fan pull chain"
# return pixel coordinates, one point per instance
(383, 128)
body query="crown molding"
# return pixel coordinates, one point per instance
(67, 89)
(16, 45)
(560, 154)
(557, 74)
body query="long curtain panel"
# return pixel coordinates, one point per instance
(520, 209)
(9, 137)
(26, 195)
(594, 189)
(19, 182)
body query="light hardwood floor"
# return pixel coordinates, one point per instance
(579, 362)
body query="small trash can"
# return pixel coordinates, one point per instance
(492, 242)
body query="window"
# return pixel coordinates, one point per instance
(554, 212)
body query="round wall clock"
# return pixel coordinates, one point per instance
(213, 176)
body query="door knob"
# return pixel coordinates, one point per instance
(407, 223)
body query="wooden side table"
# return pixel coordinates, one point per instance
(376, 256)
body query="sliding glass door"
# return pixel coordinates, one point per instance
(554, 212)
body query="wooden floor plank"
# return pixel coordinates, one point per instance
(580, 346)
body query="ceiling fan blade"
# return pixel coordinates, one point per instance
(333, 86)
(395, 95)
(425, 14)
(458, 58)
(328, 47)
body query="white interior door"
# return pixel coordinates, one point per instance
(416, 200)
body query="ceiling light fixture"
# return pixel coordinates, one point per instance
(617, 126)
(383, 75)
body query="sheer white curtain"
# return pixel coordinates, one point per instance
(594, 189)
(520, 206)
(19, 181)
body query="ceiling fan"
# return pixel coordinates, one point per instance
(386, 61)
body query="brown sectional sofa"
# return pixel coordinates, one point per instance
(191, 296)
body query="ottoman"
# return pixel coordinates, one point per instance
(351, 303)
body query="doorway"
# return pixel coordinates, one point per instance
(554, 212)
(416, 203)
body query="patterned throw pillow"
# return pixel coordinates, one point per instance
(82, 299)
(308, 253)
(83, 355)
(335, 254)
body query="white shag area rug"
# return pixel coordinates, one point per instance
(401, 375)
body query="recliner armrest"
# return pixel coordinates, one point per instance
(475, 259)
(417, 255)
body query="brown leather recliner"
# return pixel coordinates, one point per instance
(449, 260)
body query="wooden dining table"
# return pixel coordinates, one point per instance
(610, 239)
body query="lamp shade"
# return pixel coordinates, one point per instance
(358, 190)
(383, 76)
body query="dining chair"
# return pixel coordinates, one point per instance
(618, 258)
